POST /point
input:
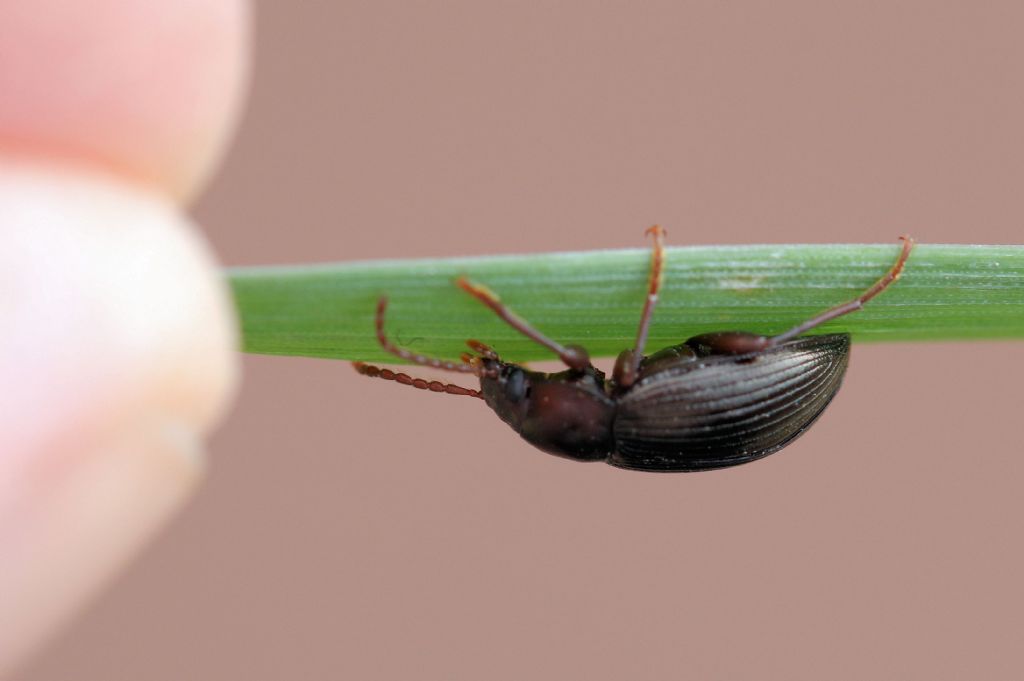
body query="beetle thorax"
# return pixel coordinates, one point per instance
(567, 413)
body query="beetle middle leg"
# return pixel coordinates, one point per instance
(627, 365)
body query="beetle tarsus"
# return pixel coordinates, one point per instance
(482, 349)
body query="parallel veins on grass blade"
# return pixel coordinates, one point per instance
(952, 292)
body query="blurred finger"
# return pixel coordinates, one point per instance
(116, 356)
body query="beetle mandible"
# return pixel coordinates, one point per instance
(716, 400)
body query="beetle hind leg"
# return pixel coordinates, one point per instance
(857, 303)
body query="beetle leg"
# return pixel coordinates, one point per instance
(574, 356)
(627, 365)
(481, 367)
(857, 303)
(727, 343)
(406, 379)
(385, 343)
(653, 286)
(483, 350)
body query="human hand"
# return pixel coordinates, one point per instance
(116, 334)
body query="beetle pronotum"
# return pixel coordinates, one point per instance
(716, 400)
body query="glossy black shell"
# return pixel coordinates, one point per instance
(694, 406)
(724, 410)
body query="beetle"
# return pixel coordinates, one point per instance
(716, 400)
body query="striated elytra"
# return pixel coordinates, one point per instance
(716, 400)
(722, 410)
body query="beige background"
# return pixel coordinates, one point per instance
(353, 529)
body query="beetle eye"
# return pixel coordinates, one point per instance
(515, 386)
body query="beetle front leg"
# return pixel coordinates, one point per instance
(415, 358)
(574, 356)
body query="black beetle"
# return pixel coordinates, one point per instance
(717, 400)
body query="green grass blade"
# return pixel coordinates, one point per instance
(948, 292)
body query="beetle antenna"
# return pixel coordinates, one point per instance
(406, 379)
(463, 367)
(857, 303)
(574, 356)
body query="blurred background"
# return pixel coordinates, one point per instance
(352, 529)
